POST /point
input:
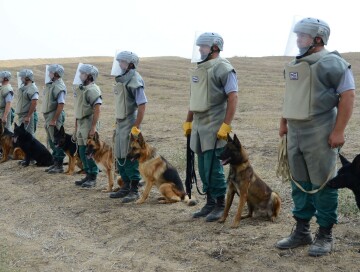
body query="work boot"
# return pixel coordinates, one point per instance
(91, 182)
(323, 242)
(51, 167)
(82, 181)
(298, 237)
(133, 194)
(122, 192)
(57, 169)
(209, 206)
(218, 211)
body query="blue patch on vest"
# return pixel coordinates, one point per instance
(293, 75)
(195, 79)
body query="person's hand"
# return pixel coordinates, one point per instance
(336, 139)
(135, 131)
(4, 120)
(187, 128)
(73, 137)
(92, 132)
(223, 131)
(283, 129)
(26, 119)
(52, 123)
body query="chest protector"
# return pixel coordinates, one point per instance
(85, 97)
(4, 91)
(51, 93)
(207, 83)
(25, 94)
(125, 103)
(310, 85)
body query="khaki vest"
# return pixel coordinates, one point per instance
(310, 85)
(51, 93)
(4, 91)
(85, 96)
(206, 84)
(25, 94)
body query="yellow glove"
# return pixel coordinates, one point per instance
(135, 131)
(223, 131)
(187, 128)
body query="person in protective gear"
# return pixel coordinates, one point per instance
(28, 95)
(87, 104)
(54, 115)
(6, 97)
(213, 100)
(130, 101)
(318, 103)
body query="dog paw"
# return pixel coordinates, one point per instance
(221, 220)
(106, 190)
(235, 225)
(140, 201)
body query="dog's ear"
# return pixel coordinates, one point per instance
(22, 125)
(62, 130)
(141, 140)
(229, 138)
(356, 166)
(236, 141)
(132, 138)
(96, 137)
(343, 160)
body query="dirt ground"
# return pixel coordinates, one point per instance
(49, 224)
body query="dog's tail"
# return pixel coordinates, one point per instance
(276, 201)
(190, 202)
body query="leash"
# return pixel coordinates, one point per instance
(74, 141)
(283, 168)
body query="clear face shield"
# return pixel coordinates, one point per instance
(119, 67)
(77, 79)
(48, 76)
(19, 80)
(200, 51)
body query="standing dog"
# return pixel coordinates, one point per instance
(155, 170)
(102, 153)
(243, 181)
(63, 140)
(348, 177)
(33, 149)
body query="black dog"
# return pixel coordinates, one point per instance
(348, 177)
(33, 149)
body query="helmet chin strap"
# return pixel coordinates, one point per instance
(209, 55)
(304, 53)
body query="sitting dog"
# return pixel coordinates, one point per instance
(7, 146)
(33, 149)
(155, 170)
(243, 181)
(348, 177)
(102, 153)
(63, 140)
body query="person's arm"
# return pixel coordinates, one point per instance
(190, 116)
(283, 127)
(31, 110)
(140, 115)
(59, 110)
(345, 109)
(95, 119)
(231, 107)
(6, 111)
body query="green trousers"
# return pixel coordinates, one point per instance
(57, 152)
(323, 204)
(128, 171)
(90, 166)
(214, 183)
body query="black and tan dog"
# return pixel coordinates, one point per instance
(7, 145)
(155, 170)
(102, 153)
(242, 180)
(63, 141)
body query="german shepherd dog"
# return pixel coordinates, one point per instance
(63, 141)
(34, 150)
(155, 170)
(348, 177)
(102, 153)
(243, 181)
(7, 145)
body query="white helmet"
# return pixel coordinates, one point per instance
(313, 27)
(129, 57)
(26, 73)
(5, 75)
(210, 39)
(56, 68)
(89, 70)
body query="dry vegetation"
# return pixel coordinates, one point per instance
(48, 224)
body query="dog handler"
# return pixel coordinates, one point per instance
(52, 108)
(130, 101)
(87, 104)
(213, 100)
(28, 96)
(318, 104)
(6, 97)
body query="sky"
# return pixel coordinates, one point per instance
(77, 28)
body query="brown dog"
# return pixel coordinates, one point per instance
(243, 181)
(155, 170)
(102, 153)
(7, 145)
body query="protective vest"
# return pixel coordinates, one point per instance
(85, 97)
(311, 83)
(207, 82)
(25, 94)
(4, 91)
(51, 93)
(125, 103)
